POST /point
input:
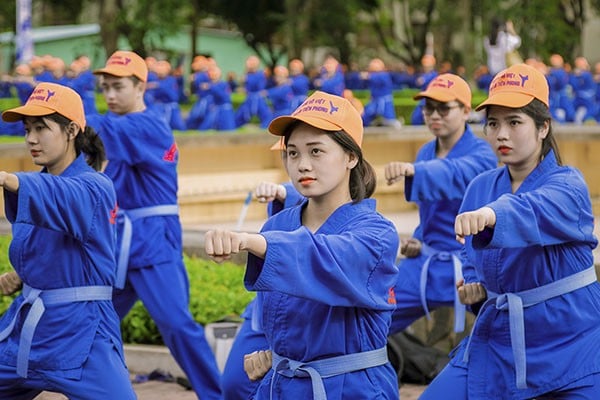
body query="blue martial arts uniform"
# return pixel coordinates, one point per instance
(543, 235)
(220, 115)
(255, 104)
(323, 295)
(85, 85)
(63, 248)
(234, 380)
(203, 101)
(300, 88)
(143, 158)
(437, 187)
(381, 103)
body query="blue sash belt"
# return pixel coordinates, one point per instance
(459, 308)
(128, 217)
(516, 302)
(38, 299)
(327, 367)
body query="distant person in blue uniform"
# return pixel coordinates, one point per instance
(142, 162)
(422, 80)
(83, 82)
(220, 115)
(165, 95)
(436, 181)
(381, 103)
(584, 91)
(527, 231)
(324, 269)
(300, 82)
(61, 334)
(331, 77)
(561, 101)
(24, 82)
(199, 88)
(255, 104)
(281, 95)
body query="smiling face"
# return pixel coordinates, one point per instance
(49, 145)
(318, 166)
(122, 94)
(515, 138)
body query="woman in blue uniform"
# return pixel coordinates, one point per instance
(436, 182)
(527, 229)
(324, 270)
(142, 162)
(61, 333)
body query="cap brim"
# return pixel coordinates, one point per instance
(436, 95)
(506, 99)
(114, 70)
(17, 114)
(280, 124)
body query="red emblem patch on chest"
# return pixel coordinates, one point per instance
(113, 214)
(391, 296)
(171, 153)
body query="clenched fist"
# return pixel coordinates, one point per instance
(397, 170)
(10, 283)
(257, 364)
(473, 222)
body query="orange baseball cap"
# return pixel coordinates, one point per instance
(447, 87)
(125, 63)
(324, 111)
(516, 86)
(49, 98)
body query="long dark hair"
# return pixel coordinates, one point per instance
(496, 26)
(87, 142)
(363, 179)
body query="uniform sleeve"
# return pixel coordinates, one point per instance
(447, 178)
(292, 198)
(351, 269)
(557, 212)
(62, 204)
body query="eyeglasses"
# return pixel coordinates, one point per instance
(442, 109)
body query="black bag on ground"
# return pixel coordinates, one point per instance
(413, 361)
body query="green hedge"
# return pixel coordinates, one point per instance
(216, 293)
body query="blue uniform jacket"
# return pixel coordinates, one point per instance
(63, 236)
(142, 162)
(543, 232)
(326, 294)
(439, 184)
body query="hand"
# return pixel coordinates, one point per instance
(396, 170)
(410, 247)
(470, 293)
(473, 222)
(220, 244)
(268, 191)
(9, 181)
(10, 283)
(257, 364)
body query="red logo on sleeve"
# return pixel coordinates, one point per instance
(171, 153)
(113, 214)
(391, 296)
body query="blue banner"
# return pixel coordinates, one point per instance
(24, 36)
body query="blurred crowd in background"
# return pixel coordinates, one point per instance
(207, 91)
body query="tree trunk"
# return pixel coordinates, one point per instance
(108, 27)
